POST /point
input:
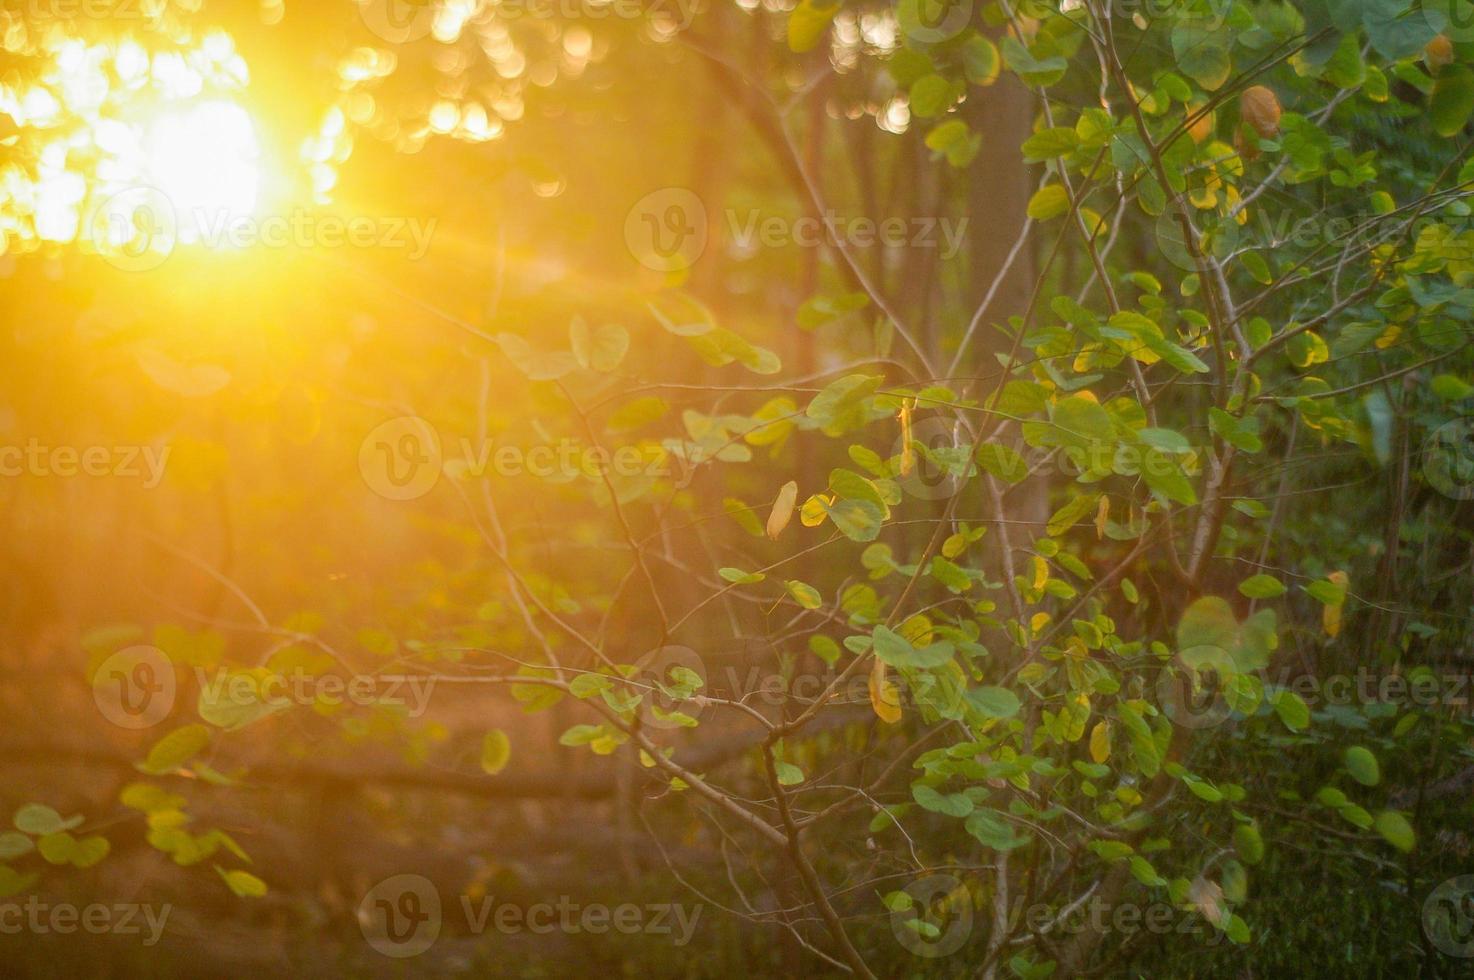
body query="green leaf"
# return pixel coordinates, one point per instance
(1248, 842)
(496, 751)
(242, 883)
(1395, 829)
(235, 699)
(744, 516)
(703, 321)
(824, 648)
(788, 773)
(804, 594)
(601, 349)
(1257, 268)
(807, 24)
(63, 848)
(1261, 587)
(1450, 388)
(1077, 421)
(895, 650)
(825, 308)
(739, 577)
(536, 365)
(980, 60)
(14, 845)
(841, 404)
(56, 848)
(931, 95)
(950, 575)
(1049, 201)
(994, 702)
(992, 830)
(1045, 69)
(1242, 433)
(1165, 475)
(1362, 765)
(1326, 592)
(1069, 515)
(1110, 850)
(13, 882)
(1452, 100)
(175, 749)
(1002, 461)
(1144, 871)
(858, 520)
(1201, 48)
(906, 65)
(1293, 710)
(637, 413)
(37, 819)
(1397, 29)
(1208, 622)
(852, 486)
(1050, 143)
(950, 804)
(955, 141)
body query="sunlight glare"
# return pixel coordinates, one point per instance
(206, 161)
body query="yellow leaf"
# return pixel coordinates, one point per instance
(1330, 616)
(496, 750)
(1102, 514)
(813, 513)
(884, 697)
(782, 511)
(1041, 572)
(908, 458)
(1100, 741)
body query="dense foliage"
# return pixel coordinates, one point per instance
(1073, 579)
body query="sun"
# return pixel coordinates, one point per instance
(180, 173)
(206, 160)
